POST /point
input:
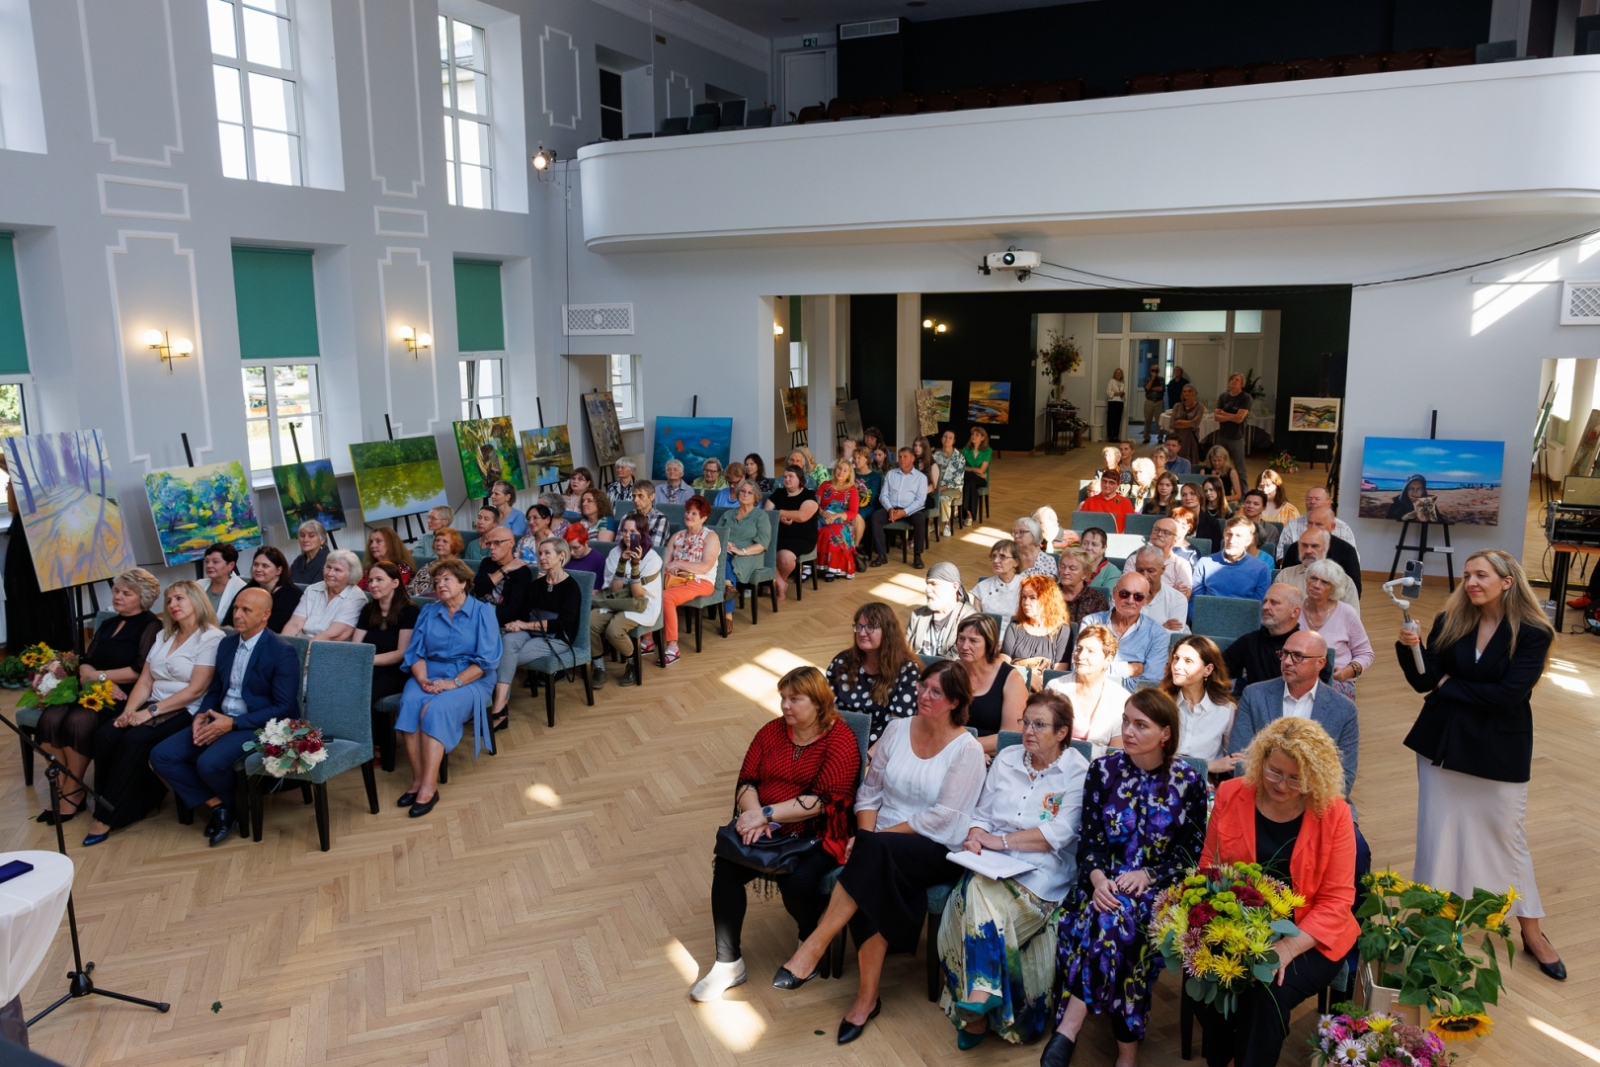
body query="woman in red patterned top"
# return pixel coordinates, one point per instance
(798, 779)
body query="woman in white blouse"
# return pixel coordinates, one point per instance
(1197, 679)
(998, 593)
(1028, 813)
(1116, 397)
(1097, 698)
(913, 808)
(330, 609)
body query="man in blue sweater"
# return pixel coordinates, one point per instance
(1234, 571)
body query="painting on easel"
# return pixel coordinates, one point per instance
(67, 497)
(197, 507)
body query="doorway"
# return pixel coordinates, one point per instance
(807, 79)
(1149, 354)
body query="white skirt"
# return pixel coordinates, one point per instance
(1471, 834)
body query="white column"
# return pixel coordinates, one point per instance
(908, 365)
(818, 315)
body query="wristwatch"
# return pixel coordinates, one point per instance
(767, 811)
(102, 677)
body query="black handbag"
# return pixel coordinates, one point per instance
(769, 855)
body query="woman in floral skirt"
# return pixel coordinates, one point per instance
(836, 535)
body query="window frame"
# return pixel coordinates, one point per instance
(241, 63)
(622, 126)
(454, 116)
(635, 420)
(472, 406)
(24, 382)
(273, 417)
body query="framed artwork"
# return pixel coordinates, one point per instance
(488, 450)
(395, 478)
(1314, 414)
(67, 501)
(603, 427)
(1588, 447)
(927, 413)
(794, 407)
(308, 491)
(196, 507)
(989, 402)
(691, 441)
(942, 391)
(548, 454)
(1421, 479)
(851, 409)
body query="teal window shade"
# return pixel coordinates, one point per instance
(480, 316)
(277, 300)
(13, 345)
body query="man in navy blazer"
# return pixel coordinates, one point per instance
(257, 679)
(1299, 693)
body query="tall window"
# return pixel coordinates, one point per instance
(483, 389)
(258, 94)
(278, 396)
(610, 105)
(625, 389)
(464, 76)
(13, 410)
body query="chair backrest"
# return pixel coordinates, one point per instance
(733, 112)
(301, 646)
(1139, 525)
(1084, 748)
(760, 117)
(586, 581)
(1084, 520)
(1005, 740)
(716, 515)
(678, 124)
(624, 508)
(999, 621)
(1200, 764)
(338, 694)
(1226, 616)
(708, 107)
(704, 123)
(1201, 545)
(860, 724)
(674, 514)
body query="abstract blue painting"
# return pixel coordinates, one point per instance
(691, 441)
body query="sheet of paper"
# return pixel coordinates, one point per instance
(993, 864)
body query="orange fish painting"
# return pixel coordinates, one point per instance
(690, 441)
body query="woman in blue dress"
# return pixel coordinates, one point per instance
(452, 657)
(1143, 825)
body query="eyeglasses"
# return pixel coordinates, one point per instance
(1127, 594)
(1290, 656)
(1038, 726)
(1279, 779)
(867, 627)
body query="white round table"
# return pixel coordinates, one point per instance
(30, 914)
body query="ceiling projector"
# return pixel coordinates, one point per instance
(1012, 259)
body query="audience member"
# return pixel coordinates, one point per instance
(691, 563)
(1278, 508)
(796, 511)
(1167, 607)
(877, 675)
(538, 517)
(931, 633)
(1253, 507)
(1155, 395)
(1219, 465)
(1197, 680)
(503, 498)
(1040, 635)
(998, 593)
(329, 609)
(1097, 698)
(307, 566)
(1327, 611)
(1253, 657)
(837, 508)
(644, 505)
(384, 544)
(951, 468)
(922, 462)
(816, 473)
(505, 582)
(1142, 488)
(256, 680)
(1109, 501)
(904, 497)
(269, 571)
(1214, 500)
(747, 532)
(1205, 523)
(547, 630)
(869, 483)
(1176, 571)
(1232, 412)
(447, 544)
(1116, 397)
(674, 490)
(710, 481)
(580, 479)
(1187, 415)
(628, 597)
(1174, 461)
(221, 567)
(998, 692)
(1031, 557)
(1303, 656)
(728, 495)
(1143, 822)
(1316, 497)
(996, 942)
(1052, 538)
(1175, 386)
(620, 489)
(437, 519)
(978, 455)
(912, 809)
(581, 557)
(1072, 575)
(755, 467)
(488, 518)
(1110, 463)
(1338, 549)
(1234, 571)
(798, 780)
(557, 505)
(1142, 642)
(386, 624)
(1185, 519)
(594, 515)
(1103, 574)
(1312, 547)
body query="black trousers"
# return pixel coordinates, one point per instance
(970, 485)
(1253, 1035)
(1114, 420)
(801, 891)
(888, 877)
(122, 773)
(880, 539)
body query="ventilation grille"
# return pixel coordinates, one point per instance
(587, 320)
(1580, 304)
(879, 28)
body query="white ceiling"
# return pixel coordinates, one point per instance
(766, 17)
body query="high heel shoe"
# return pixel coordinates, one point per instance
(849, 1031)
(967, 1040)
(1556, 970)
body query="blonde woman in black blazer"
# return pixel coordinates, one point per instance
(1474, 740)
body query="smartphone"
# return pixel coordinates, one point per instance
(1414, 569)
(13, 869)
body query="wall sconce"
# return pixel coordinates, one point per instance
(167, 349)
(777, 329)
(936, 326)
(415, 341)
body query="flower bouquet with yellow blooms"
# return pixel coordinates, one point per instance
(52, 677)
(1219, 925)
(1437, 949)
(1355, 1037)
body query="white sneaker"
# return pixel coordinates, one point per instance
(947, 529)
(721, 978)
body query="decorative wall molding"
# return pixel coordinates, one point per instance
(559, 66)
(396, 77)
(149, 291)
(133, 70)
(400, 222)
(143, 198)
(405, 298)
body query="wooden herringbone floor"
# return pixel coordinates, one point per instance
(553, 909)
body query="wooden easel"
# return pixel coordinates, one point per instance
(1422, 548)
(294, 439)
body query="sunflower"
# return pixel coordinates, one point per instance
(1460, 1027)
(1449, 910)
(1497, 920)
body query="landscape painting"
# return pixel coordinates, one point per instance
(395, 478)
(67, 497)
(690, 441)
(794, 408)
(197, 507)
(1588, 449)
(488, 450)
(603, 427)
(1314, 414)
(1410, 479)
(548, 453)
(988, 402)
(941, 397)
(309, 491)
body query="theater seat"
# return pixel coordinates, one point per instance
(840, 108)
(1315, 68)
(1416, 59)
(904, 104)
(1454, 57)
(761, 117)
(1361, 64)
(1012, 96)
(940, 100)
(1263, 73)
(813, 113)
(975, 98)
(872, 107)
(1221, 77)
(1184, 80)
(1146, 83)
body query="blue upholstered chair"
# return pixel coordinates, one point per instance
(1094, 520)
(766, 574)
(714, 599)
(1139, 525)
(338, 700)
(551, 666)
(1225, 616)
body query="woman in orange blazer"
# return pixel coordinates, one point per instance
(1287, 813)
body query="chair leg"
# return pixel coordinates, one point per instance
(444, 769)
(661, 650)
(320, 791)
(27, 759)
(241, 800)
(1185, 1023)
(370, 780)
(772, 589)
(933, 955)
(185, 814)
(305, 793)
(588, 682)
(257, 811)
(550, 701)
(699, 625)
(799, 584)
(722, 622)
(816, 566)
(383, 733)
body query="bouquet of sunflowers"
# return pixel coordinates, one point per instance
(1353, 1036)
(1416, 939)
(52, 677)
(1219, 925)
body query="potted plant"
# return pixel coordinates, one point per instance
(13, 673)
(1059, 356)
(1430, 955)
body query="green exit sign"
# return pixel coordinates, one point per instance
(808, 42)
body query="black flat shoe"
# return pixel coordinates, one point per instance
(1556, 970)
(418, 810)
(787, 979)
(501, 723)
(849, 1031)
(45, 816)
(406, 800)
(1058, 1051)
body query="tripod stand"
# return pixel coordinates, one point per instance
(79, 982)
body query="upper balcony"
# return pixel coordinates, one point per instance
(1497, 139)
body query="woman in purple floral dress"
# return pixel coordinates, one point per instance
(1143, 824)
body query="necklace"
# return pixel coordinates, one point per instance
(800, 746)
(1033, 775)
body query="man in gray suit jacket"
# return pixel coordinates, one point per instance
(1299, 693)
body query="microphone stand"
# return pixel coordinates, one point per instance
(79, 982)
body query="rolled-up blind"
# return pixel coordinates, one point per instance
(277, 301)
(480, 316)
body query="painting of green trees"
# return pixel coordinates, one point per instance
(488, 450)
(395, 478)
(308, 491)
(195, 507)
